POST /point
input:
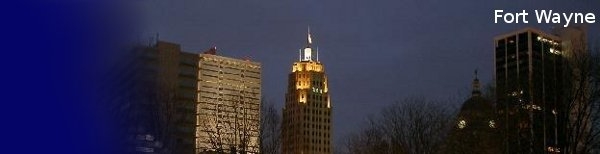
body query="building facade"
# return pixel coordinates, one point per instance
(306, 126)
(228, 106)
(529, 75)
(160, 106)
(199, 103)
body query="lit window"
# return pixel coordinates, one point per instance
(554, 51)
(492, 124)
(462, 124)
(532, 107)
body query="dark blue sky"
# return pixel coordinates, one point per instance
(374, 51)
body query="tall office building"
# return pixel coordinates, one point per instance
(197, 103)
(306, 126)
(229, 93)
(529, 74)
(159, 104)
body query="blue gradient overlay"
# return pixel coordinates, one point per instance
(56, 63)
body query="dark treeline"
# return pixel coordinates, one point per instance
(417, 125)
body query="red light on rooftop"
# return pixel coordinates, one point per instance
(212, 51)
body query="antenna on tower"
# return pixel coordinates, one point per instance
(157, 39)
(317, 54)
(299, 54)
(309, 38)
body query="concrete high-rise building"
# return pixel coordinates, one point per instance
(529, 74)
(229, 96)
(199, 102)
(160, 102)
(306, 126)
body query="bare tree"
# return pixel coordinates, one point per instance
(583, 102)
(369, 140)
(270, 134)
(231, 130)
(412, 126)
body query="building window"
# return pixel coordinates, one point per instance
(492, 124)
(462, 124)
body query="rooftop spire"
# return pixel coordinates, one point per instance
(476, 85)
(309, 39)
(212, 51)
(306, 55)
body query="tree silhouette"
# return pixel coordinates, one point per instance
(270, 134)
(412, 126)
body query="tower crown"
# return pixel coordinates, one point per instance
(306, 53)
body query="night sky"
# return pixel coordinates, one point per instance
(375, 52)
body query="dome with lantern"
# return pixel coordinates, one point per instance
(475, 129)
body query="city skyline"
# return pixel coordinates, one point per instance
(307, 69)
(110, 76)
(427, 53)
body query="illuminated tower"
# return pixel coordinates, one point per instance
(306, 126)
